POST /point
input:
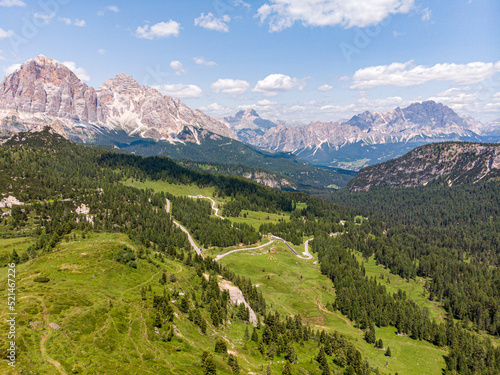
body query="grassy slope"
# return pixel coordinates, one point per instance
(292, 286)
(105, 327)
(312, 292)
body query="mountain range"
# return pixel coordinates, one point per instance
(366, 138)
(44, 92)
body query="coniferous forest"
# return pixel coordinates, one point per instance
(449, 236)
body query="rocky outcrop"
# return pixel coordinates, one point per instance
(44, 92)
(43, 85)
(451, 163)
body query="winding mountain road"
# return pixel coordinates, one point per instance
(199, 250)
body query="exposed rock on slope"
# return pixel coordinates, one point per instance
(451, 162)
(44, 92)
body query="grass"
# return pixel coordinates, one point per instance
(257, 218)
(174, 189)
(295, 286)
(105, 327)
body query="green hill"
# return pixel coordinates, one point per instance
(106, 281)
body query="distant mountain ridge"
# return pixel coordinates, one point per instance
(340, 143)
(44, 92)
(451, 163)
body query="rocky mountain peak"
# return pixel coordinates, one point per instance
(121, 83)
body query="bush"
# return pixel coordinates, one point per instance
(41, 279)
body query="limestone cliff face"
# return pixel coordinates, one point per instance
(44, 92)
(43, 85)
(451, 162)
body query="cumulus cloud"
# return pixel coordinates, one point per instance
(12, 3)
(158, 30)
(179, 90)
(80, 72)
(178, 67)
(6, 33)
(407, 74)
(456, 98)
(46, 18)
(215, 109)
(230, 86)
(325, 88)
(75, 22)
(282, 14)
(275, 83)
(211, 22)
(202, 61)
(11, 69)
(101, 51)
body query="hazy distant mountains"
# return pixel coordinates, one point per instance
(367, 138)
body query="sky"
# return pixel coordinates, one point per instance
(302, 60)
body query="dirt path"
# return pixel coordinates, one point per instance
(46, 337)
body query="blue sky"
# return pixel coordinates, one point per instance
(300, 60)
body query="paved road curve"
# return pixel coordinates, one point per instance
(199, 250)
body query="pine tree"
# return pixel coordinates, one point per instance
(255, 336)
(220, 346)
(287, 370)
(261, 347)
(268, 370)
(163, 279)
(210, 366)
(388, 352)
(246, 337)
(290, 354)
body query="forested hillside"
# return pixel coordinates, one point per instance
(65, 195)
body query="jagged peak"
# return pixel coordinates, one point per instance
(120, 82)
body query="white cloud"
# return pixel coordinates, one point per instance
(202, 61)
(242, 3)
(282, 14)
(67, 21)
(407, 74)
(275, 83)
(46, 18)
(215, 109)
(111, 8)
(6, 33)
(456, 98)
(76, 22)
(266, 102)
(80, 72)
(179, 90)
(178, 67)
(426, 15)
(159, 30)
(230, 86)
(101, 51)
(79, 23)
(213, 23)
(12, 3)
(325, 88)
(11, 69)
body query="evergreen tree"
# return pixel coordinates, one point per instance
(388, 352)
(268, 370)
(287, 369)
(255, 336)
(261, 347)
(246, 336)
(209, 365)
(220, 346)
